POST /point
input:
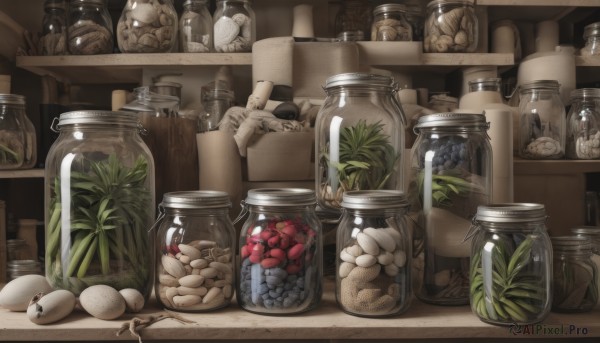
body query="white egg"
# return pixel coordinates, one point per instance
(15, 296)
(134, 300)
(51, 307)
(102, 302)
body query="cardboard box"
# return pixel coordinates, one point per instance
(281, 156)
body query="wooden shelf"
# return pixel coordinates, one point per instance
(557, 3)
(21, 174)
(522, 166)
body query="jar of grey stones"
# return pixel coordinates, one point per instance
(450, 26)
(194, 243)
(147, 26)
(234, 26)
(373, 254)
(280, 252)
(90, 29)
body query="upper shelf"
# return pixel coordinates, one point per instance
(557, 3)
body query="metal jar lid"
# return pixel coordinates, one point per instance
(374, 199)
(591, 231)
(98, 117)
(571, 244)
(436, 3)
(12, 99)
(583, 93)
(389, 8)
(196, 199)
(281, 197)
(491, 83)
(539, 84)
(359, 79)
(592, 29)
(511, 213)
(451, 119)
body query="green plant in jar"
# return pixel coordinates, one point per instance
(105, 241)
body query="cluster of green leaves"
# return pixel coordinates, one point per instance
(109, 211)
(443, 187)
(9, 156)
(517, 295)
(366, 157)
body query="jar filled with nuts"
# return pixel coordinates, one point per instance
(450, 26)
(390, 24)
(90, 29)
(194, 263)
(147, 26)
(234, 26)
(53, 40)
(195, 27)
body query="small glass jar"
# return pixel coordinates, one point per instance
(415, 16)
(591, 35)
(511, 264)
(451, 175)
(592, 233)
(215, 102)
(147, 26)
(450, 26)
(354, 18)
(90, 29)
(390, 24)
(359, 138)
(542, 121)
(234, 26)
(17, 249)
(196, 27)
(195, 242)
(16, 268)
(281, 263)
(99, 203)
(575, 275)
(583, 125)
(18, 147)
(373, 254)
(53, 40)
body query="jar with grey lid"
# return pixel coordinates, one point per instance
(390, 24)
(234, 26)
(591, 35)
(194, 251)
(281, 249)
(575, 275)
(147, 26)
(196, 27)
(592, 233)
(18, 268)
(354, 19)
(583, 125)
(90, 29)
(18, 149)
(450, 26)
(373, 254)
(53, 40)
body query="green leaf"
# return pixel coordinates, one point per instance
(520, 258)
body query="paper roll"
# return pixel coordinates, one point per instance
(272, 60)
(5, 84)
(303, 21)
(27, 232)
(546, 36)
(501, 139)
(119, 99)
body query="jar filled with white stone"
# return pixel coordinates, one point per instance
(583, 125)
(195, 27)
(147, 26)
(234, 26)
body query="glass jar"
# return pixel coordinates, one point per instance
(592, 233)
(415, 16)
(18, 147)
(17, 249)
(99, 203)
(90, 29)
(53, 40)
(451, 174)
(354, 16)
(359, 138)
(234, 26)
(195, 242)
(492, 84)
(390, 24)
(511, 264)
(147, 26)
(280, 252)
(373, 249)
(450, 26)
(583, 125)
(591, 36)
(575, 275)
(18, 268)
(196, 27)
(542, 121)
(215, 102)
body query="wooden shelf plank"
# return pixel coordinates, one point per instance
(587, 61)
(557, 3)
(21, 174)
(468, 59)
(522, 166)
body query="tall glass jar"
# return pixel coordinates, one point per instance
(451, 174)
(99, 203)
(281, 263)
(592, 233)
(18, 147)
(196, 27)
(234, 26)
(53, 40)
(195, 242)
(591, 35)
(90, 29)
(575, 275)
(542, 121)
(359, 138)
(147, 26)
(390, 24)
(373, 254)
(354, 18)
(215, 102)
(511, 264)
(451, 26)
(583, 125)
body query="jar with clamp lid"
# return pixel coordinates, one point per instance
(593, 234)
(511, 264)
(53, 40)
(451, 174)
(575, 275)
(18, 149)
(90, 29)
(390, 24)
(234, 26)
(196, 27)
(373, 254)
(147, 26)
(99, 174)
(450, 26)
(591, 35)
(542, 121)
(583, 125)
(354, 18)
(281, 248)
(359, 138)
(194, 251)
